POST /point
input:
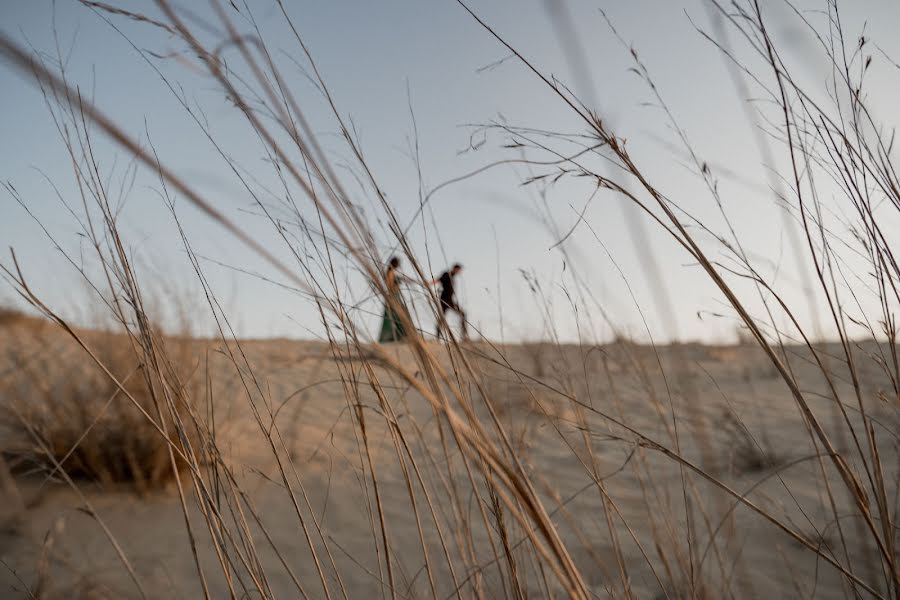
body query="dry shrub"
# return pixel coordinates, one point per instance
(746, 454)
(9, 315)
(12, 317)
(81, 421)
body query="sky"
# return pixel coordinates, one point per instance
(420, 78)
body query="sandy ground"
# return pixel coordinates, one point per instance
(47, 539)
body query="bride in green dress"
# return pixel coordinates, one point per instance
(392, 329)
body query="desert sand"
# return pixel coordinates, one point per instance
(51, 542)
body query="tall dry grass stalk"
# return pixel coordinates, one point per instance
(486, 520)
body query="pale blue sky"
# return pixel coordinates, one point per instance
(370, 52)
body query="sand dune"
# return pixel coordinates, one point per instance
(733, 417)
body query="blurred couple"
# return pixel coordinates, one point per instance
(392, 328)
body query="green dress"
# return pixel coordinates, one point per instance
(392, 329)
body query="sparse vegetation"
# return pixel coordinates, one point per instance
(11, 317)
(745, 453)
(94, 426)
(463, 470)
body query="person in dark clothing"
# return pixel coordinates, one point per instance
(448, 299)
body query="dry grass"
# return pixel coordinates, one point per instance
(485, 519)
(10, 317)
(745, 453)
(65, 414)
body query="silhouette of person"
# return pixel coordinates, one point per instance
(448, 299)
(392, 329)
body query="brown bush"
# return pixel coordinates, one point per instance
(68, 414)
